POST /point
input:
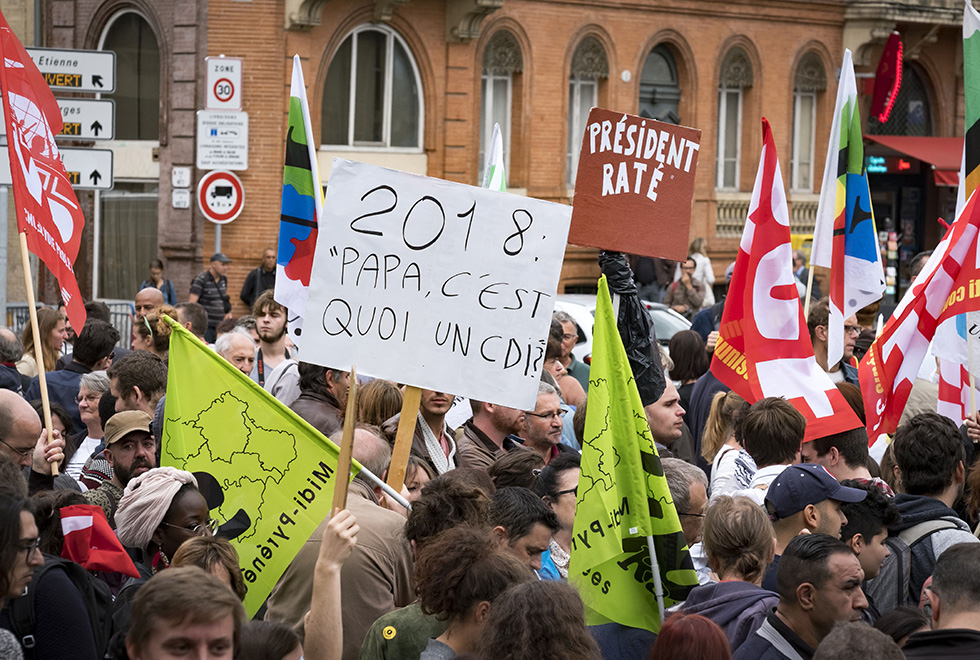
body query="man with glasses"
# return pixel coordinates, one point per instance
(569, 337)
(131, 451)
(689, 489)
(20, 437)
(94, 351)
(817, 323)
(543, 425)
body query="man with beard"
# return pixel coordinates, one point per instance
(434, 441)
(490, 433)
(131, 451)
(274, 370)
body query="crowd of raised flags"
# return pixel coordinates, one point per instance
(629, 561)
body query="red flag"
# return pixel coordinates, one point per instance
(47, 210)
(948, 285)
(763, 347)
(888, 78)
(90, 542)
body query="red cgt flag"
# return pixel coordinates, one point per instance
(763, 346)
(47, 211)
(90, 542)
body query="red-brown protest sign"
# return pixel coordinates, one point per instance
(634, 185)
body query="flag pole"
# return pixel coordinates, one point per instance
(809, 288)
(38, 351)
(346, 444)
(403, 437)
(658, 587)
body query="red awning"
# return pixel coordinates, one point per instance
(947, 178)
(941, 152)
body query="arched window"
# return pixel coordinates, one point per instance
(589, 65)
(502, 61)
(137, 94)
(912, 113)
(660, 92)
(810, 80)
(372, 96)
(736, 75)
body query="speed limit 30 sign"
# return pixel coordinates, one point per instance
(224, 83)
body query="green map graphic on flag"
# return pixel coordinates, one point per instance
(267, 474)
(623, 499)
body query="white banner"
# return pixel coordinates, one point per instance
(435, 284)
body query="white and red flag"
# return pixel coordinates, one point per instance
(763, 346)
(948, 285)
(90, 542)
(47, 211)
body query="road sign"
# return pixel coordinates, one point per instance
(76, 70)
(88, 169)
(220, 196)
(222, 140)
(224, 83)
(84, 119)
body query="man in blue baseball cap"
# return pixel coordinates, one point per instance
(805, 499)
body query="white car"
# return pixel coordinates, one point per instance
(581, 307)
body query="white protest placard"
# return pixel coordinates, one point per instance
(434, 284)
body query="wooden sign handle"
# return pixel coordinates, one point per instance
(346, 444)
(403, 437)
(38, 341)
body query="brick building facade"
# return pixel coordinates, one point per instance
(416, 85)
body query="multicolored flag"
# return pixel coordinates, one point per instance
(91, 543)
(971, 99)
(302, 208)
(494, 172)
(625, 520)
(763, 346)
(48, 213)
(845, 239)
(946, 287)
(268, 474)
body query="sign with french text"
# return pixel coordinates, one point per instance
(76, 70)
(634, 185)
(435, 284)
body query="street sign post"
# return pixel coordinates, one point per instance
(220, 196)
(88, 169)
(84, 119)
(222, 140)
(76, 70)
(224, 83)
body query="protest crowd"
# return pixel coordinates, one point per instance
(780, 481)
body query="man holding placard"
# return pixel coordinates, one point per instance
(434, 442)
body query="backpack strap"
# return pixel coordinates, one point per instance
(916, 533)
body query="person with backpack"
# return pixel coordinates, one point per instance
(42, 607)
(929, 457)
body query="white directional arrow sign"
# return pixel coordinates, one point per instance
(88, 169)
(76, 70)
(84, 119)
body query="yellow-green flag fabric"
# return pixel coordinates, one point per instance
(268, 474)
(623, 497)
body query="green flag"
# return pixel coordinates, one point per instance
(623, 499)
(273, 470)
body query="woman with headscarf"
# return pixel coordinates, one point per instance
(159, 510)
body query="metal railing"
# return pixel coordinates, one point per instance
(120, 316)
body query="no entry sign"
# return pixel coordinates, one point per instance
(220, 196)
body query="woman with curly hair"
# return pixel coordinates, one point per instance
(539, 619)
(458, 576)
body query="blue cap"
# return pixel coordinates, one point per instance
(798, 486)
